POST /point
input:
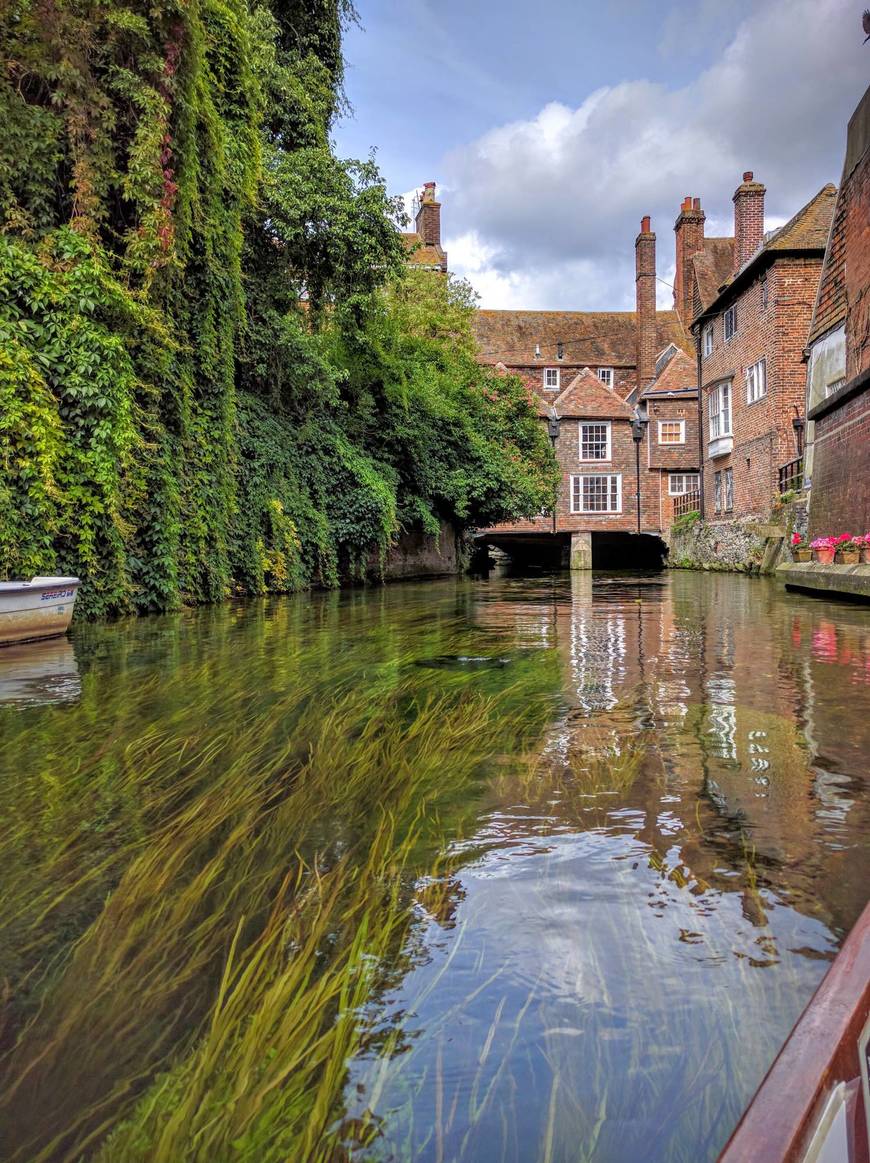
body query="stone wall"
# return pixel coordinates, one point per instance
(742, 546)
(419, 554)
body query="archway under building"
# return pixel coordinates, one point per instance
(628, 551)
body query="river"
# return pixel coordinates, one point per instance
(504, 869)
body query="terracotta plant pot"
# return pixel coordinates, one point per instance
(865, 556)
(824, 556)
(802, 554)
(848, 556)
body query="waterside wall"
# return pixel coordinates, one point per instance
(743, 545)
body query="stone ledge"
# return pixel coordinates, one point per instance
(850, 580)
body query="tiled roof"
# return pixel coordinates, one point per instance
(809, 228)
(593, 338)
(423, 256)
(587, 396)
(713, 266)
(680, 374)
(832, 301)
(806, 231)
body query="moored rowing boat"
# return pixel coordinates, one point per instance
(39, 608)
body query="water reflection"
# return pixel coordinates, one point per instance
(636, 929)
(630, 873)
(37, 673)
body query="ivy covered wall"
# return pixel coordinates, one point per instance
(216, 373)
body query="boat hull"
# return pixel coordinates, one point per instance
(41, 608)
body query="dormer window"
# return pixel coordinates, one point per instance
(551, 379)
(560, 351)
(605, 374)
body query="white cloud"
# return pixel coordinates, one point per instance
(543, 212)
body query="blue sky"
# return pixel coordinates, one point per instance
(552, 127)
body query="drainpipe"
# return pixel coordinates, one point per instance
(698, 364)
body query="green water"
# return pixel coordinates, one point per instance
(508, 869)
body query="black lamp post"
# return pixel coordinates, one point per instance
(553, 424)
(637, 427)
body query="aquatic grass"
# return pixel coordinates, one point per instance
(238, 909)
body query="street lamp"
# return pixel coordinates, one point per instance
(553, 424)
(637, 426)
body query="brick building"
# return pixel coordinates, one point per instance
(750, 299)
(838, 353)
(423, 244)
(593, 373)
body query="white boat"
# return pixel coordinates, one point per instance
(39, 608)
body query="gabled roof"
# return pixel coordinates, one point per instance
(806, 232)
(420, 255)
(589, 338)
(712, 267)
(680, 374)
(586, 396)
(809, 228)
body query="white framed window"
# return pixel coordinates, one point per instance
(728, 482)
(756, 381)
(605, 374)
(717, 491)
(680, 483)
(551, 379)
(595, 440)
(707, 340)
(729, 323)
(596, 493)
(672, 431)
(719, 410)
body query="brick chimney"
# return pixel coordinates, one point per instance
(689, 232)
(645, 290)
(748, 219)
(428, 220)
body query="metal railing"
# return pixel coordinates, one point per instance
(791, 476)
(687, 503)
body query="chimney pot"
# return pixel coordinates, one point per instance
(687, 203)
(748, 219)
(696, 203)
(645, 224)
(428, 221)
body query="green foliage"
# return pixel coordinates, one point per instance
(685, 521)
(216, 374)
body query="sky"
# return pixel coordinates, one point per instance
(553, 126)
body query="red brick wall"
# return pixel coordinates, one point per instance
(678, 457)
(841, 470)
(764, 437)
(656, 506)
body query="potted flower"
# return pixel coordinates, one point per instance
(848, 549)
(800, 550)
(824, 549)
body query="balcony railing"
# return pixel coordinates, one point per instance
(791, 476)
(687, 503)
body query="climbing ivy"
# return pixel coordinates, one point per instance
(216, 373)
